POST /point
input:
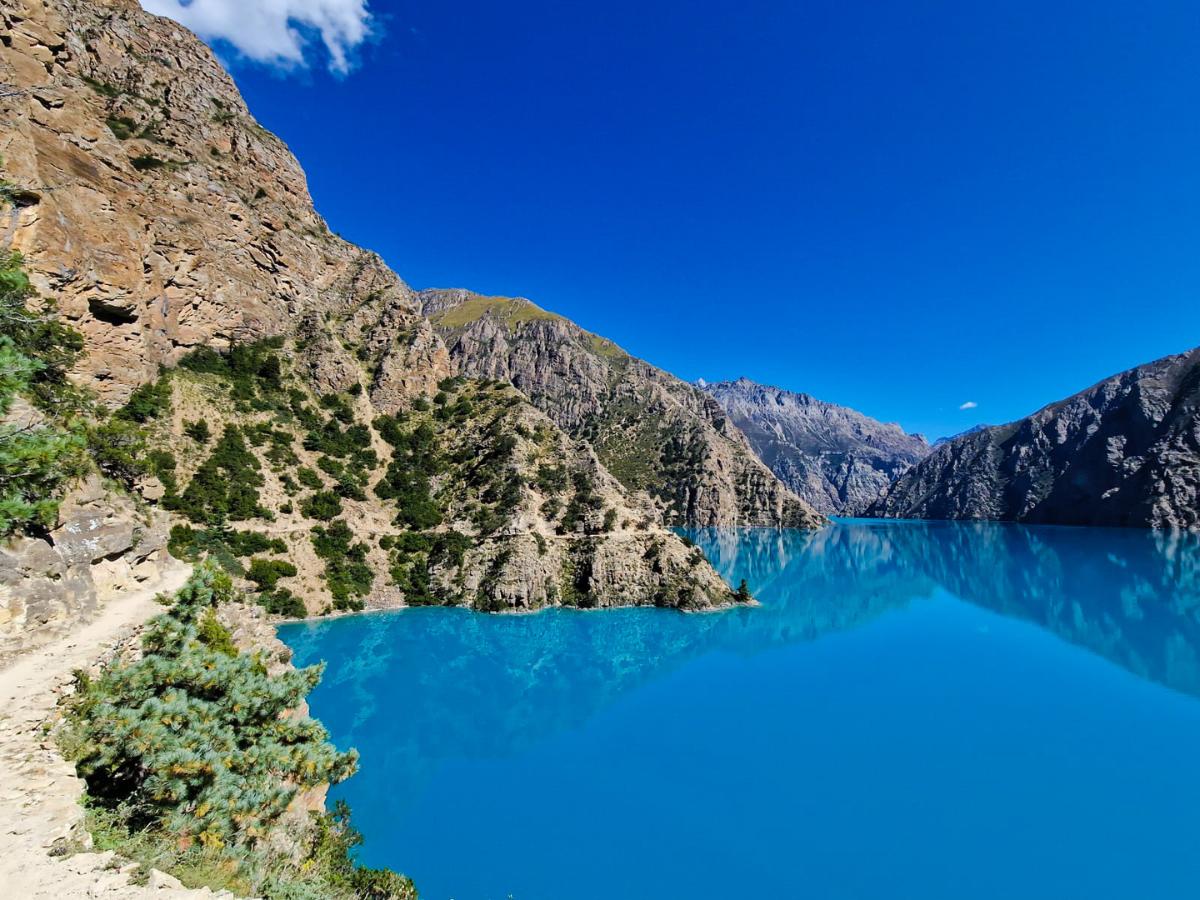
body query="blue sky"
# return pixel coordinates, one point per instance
(901, 207)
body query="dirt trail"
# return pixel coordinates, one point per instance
(39, 792)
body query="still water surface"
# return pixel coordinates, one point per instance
(925, 710)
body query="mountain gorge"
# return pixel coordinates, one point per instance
(653, 431)
(1124, 452)
(836, 459)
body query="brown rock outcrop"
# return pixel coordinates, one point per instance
(101, 546)
(159, 214)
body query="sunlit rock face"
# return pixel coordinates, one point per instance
(159, 214)
(101, 546)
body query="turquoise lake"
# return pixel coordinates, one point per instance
(917, 710)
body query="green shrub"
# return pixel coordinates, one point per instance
(191, 544)
(583, 500)
(225, 487)
(323, 506)
(194, 740)
(346, 574)
(192, 752)
(122, 127)
(36, 460)
(282, 602)
(198, 431)
(118, 447)
(340, 408)
(551, 480)
(214, 635)
(49, 348)
(265, 573)
(415, 460)
(253, 371)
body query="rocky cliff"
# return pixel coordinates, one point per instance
(836, 459)
(102, 545)
(168, 225)
(653, 431)
(1124, 452)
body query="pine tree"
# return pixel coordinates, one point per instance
(198, 740)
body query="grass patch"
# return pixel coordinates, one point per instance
(511, 311)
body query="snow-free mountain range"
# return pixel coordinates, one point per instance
(208, 376)
(466, 449)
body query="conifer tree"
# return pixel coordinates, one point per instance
(196, 740)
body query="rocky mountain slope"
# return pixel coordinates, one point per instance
(653, 431)
(1124, 452)
(168, 226)
(836, 459)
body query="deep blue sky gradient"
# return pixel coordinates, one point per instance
(899, 206)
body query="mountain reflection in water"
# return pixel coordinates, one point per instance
(409, 683)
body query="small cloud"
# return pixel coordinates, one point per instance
(276, 33)
(970, 404)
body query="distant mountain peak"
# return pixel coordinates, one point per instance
(835, 457)
(950, 437)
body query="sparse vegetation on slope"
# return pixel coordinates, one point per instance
(316, 504)
(652, 431)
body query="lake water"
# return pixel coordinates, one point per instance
(917, 710)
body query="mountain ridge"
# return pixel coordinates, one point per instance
(654, 431)
(1124, 451)
(836, 458)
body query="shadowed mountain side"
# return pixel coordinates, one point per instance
(1143, 587)
(1123, 452)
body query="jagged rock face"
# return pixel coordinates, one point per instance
(1124, 452)
(835, 458)
(161, 218)
(100, 546)
(157, 212)
(653, 431)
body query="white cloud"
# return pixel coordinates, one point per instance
(970, 404)
(275, 32)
